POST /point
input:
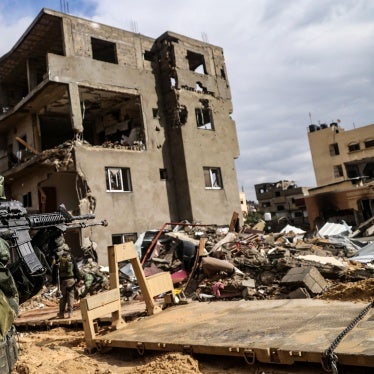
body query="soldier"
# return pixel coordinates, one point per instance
(8, 311)
(66, 275)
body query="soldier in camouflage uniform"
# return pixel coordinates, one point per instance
(66, 274)
(9, 302)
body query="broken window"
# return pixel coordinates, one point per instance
(103, 50)
(124, 238)
(354, 147)
(26, 200)
(338, 171)
(334, 149)
(118, 180)
(352, 171)
(163, 174)
(212, 177)
(204, 118)
(369, 143)
(196, 62)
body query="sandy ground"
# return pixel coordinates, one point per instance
(62, 350)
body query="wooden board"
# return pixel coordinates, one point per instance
(269, 331)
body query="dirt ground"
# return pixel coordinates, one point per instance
(62, 350)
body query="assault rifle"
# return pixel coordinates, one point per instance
(15, 226)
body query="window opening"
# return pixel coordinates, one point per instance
(334, 149)
(352, 171)
(21, 152)
(148, 56)
(163, 174)
(155, 112)
(103, 50)
(338, 171)
(196, 62)
(369, 143)
(354, 147)
(212, 177)
(124, 238)
(204, 117)
(27, 200)
(118, 180)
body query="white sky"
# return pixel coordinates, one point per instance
(284, 58)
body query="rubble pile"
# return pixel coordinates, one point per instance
(60, 157)
(211, 263)
(257, 266)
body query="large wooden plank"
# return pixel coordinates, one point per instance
(278, 331)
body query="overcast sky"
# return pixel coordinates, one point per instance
(287, 61)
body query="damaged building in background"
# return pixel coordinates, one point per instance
(343, 162)
(281, 203)
(133, 129)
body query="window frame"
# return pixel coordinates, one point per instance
(213, 173)
(338, 171)
(124, 237)
(334, 149)
(354, 147)
(201, 115)
(123, 179)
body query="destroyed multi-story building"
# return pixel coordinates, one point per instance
(284, 202)
(133, 129)
(343, 162)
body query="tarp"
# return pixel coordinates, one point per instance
(293, 229)
(331, 229)
(365, 254)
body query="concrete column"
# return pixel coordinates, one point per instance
(75, 108)
(67, 37)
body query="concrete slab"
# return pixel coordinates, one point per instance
(271, 331)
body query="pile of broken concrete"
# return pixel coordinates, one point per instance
(210, 263)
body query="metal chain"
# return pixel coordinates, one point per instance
(329, 358)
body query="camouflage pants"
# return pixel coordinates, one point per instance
(67, 290)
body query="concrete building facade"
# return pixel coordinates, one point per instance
(343, 162)
(133, 129)
(340, 155)
(284, 201)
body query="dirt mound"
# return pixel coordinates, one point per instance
(351, 291)
(170, 363)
